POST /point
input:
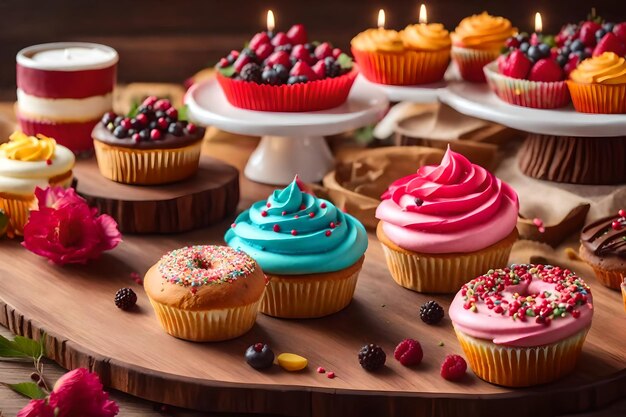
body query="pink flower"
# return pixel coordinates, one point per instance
(65, 230)
(78, 393)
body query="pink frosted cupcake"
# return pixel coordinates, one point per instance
(524, 325)
(446, 224)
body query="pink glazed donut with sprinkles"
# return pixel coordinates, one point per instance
(523, 325)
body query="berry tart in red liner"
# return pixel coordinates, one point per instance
(284, 72)
(528, 74)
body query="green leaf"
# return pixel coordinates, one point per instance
(134, 109)
(364, 135)
(28, 389)
(8, 349)
(30, 347)
(227, 71)
(549, 39)
(345, 61)
(183, 114)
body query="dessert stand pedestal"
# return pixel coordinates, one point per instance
(594, 143)
(209, 196)
(292, 143)
(421, 94)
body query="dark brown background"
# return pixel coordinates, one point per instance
(170, 40)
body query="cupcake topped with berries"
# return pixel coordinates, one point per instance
(154, 144)
(286, 72)
(528, 73)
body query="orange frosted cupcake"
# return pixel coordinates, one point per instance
(598, 84)
(419, 54)
(524, 325)
(477, 41)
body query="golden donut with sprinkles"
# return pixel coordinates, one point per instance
(205, 293)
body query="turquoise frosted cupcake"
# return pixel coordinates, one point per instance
(311, 252)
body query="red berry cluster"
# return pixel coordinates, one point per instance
(154, 119)
(592, 37)
(570, 292)
(530, 58)
(285, 58)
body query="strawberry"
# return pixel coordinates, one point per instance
(264, 50)
(515, 64)
(259, 39)
(620, 31)
(588, 33)
(610, 43)
(547, 70)
(571, 64)
(280, 39)
(297, 34)
(278, 57)
(302, 54)
(319, 69)
(302, 68)
(336, 53)
(323, 50)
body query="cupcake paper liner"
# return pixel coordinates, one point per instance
(301, 97)
(521, 366)
(405, 68)
(445, 273)
(624, 293)
(598, 98)
(295, 297)
(147, 166)
(17, 208)
(206, 326)
(471, 62)
(526, 93)
(76, 136)
(611, 279)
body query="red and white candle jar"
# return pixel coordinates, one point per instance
(63, 89)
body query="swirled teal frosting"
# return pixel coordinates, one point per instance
(282, 235)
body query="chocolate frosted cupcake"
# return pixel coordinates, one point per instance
(603, 246)
(153, 147)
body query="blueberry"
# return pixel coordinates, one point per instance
(565, 51)
(534, 53)
(131, 132)
(108, 118)
(568, 42)
(577, 45)
(608, 26)
(522, 37)
(282, 72)
(309, 47)
(544, 49)
(561, 60)
(292, 80)
(293, 60)
(600, 34)
(153, 124)
(119, 132)
(159, 114)
(118, 120)
(144, 134)
(302, 78)
(287, 48)
(175, 129)
(259, 356)
(270, 76)
(524, 47)
(230, 59)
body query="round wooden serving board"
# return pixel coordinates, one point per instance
(197, 202)
(74, 306)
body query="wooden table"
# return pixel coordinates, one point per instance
(236, 154)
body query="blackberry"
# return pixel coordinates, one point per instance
(372, 357)
(431, 312)
(333, 70)
(251, 72)
(125, 298)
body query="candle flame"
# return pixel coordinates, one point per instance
(381, 18)
(423, 17)
(271, 24)
(538, 23)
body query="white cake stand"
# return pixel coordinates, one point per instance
(292, 143)
(420, 94)
(478, 101)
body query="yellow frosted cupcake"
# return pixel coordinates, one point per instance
(477, 41)
(419, 54)
(598, 84)
(28, 162)
(205, 293)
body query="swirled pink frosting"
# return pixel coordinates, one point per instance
(455, 207)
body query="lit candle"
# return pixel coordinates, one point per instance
(423, 17)
(271, 23)
(381, 19)
(538, 23)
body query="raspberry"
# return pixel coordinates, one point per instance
(408, 352)
(431, 312)
(453, 368)
(125, 298)
(372, 357)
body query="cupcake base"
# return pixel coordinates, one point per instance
(206, 326)
(470, 62)
(609, 278)
(312, 295)
(17, 208)
(576, 160)
(442, 273)
(598, 98)
(523, 366)
(147, 166)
